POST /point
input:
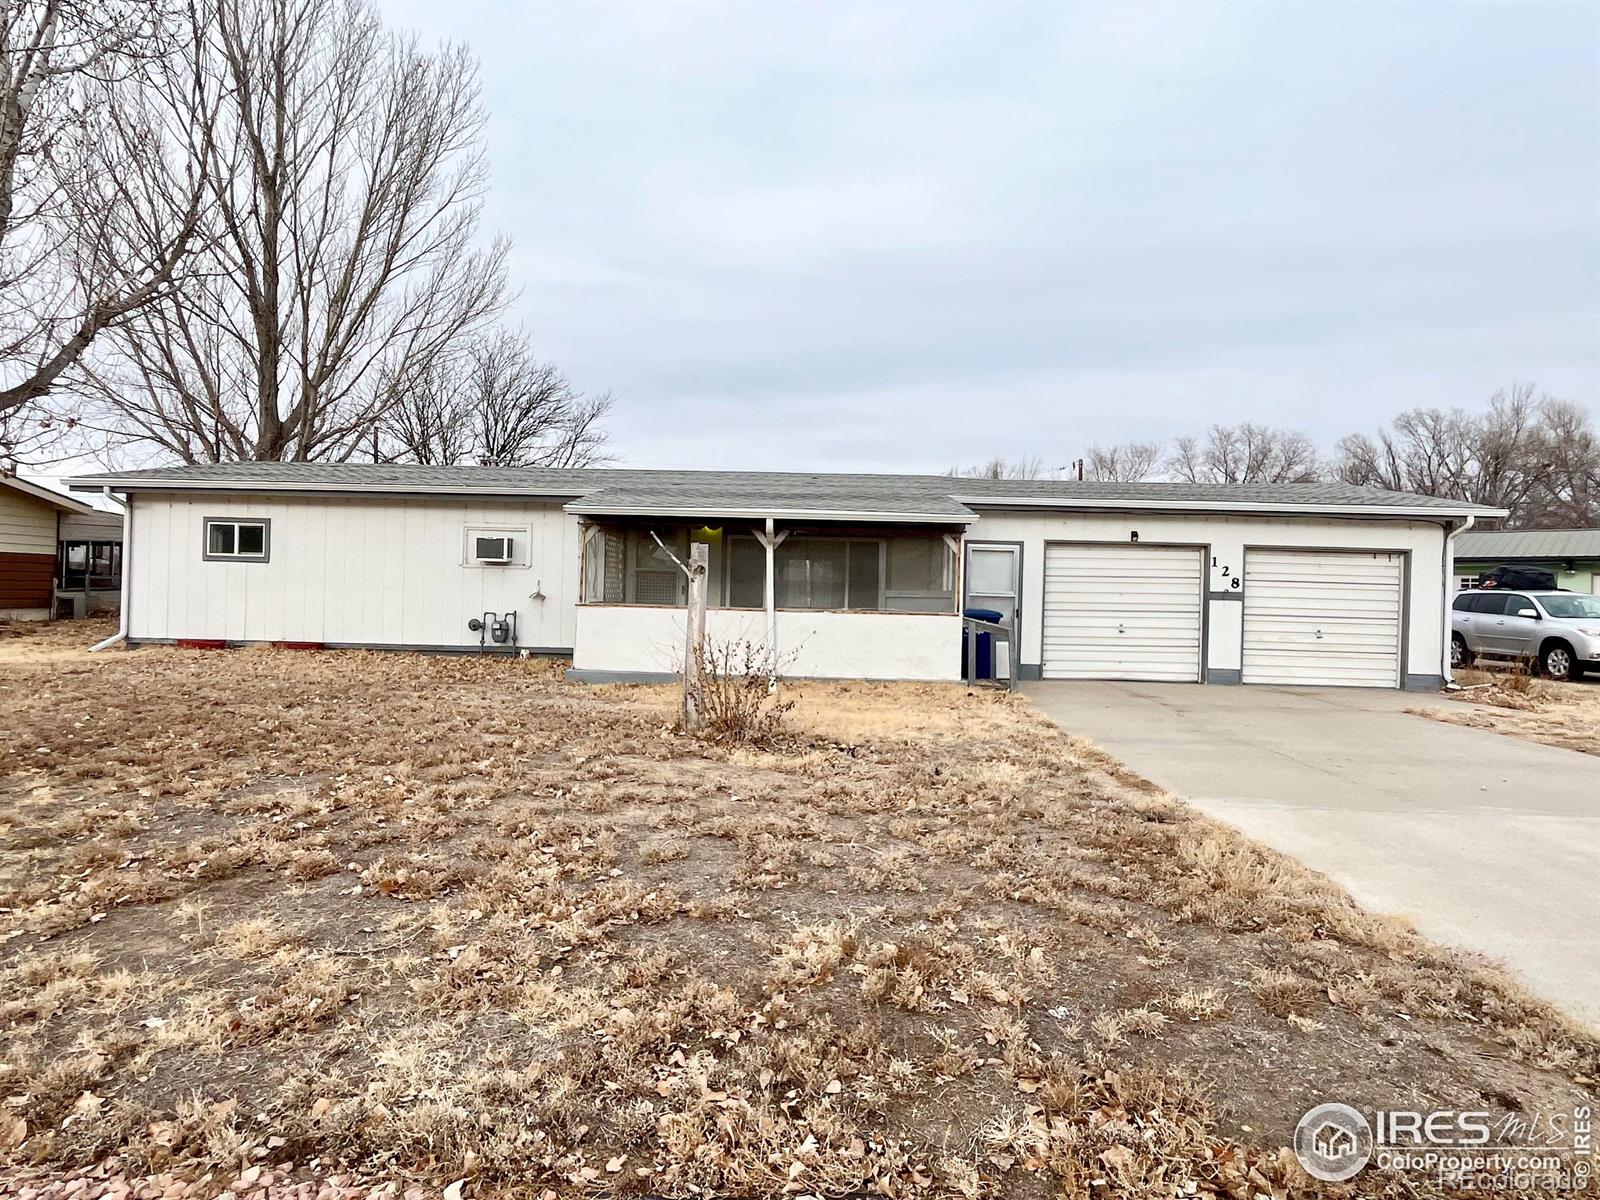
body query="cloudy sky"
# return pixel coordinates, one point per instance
(911, 236)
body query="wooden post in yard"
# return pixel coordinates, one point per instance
(694, 641)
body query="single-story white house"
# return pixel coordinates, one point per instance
(843, 576)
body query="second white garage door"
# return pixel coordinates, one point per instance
(1319, 617)
(1122, 612)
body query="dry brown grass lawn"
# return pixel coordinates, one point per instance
(1510, 701)
(440, 917)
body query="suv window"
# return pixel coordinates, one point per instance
(1493, 603)
(1575, 606)
(1465, 602)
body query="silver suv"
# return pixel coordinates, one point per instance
(1559, 630)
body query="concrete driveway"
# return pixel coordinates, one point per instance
(1485, 841)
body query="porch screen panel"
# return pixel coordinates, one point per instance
(616, 564)
(921, 575)
(747, 573)
(793, 573)
(864, 589)
(653, 577)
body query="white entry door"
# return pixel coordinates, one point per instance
(994, 582)
(1322, 617)
(1122, 612)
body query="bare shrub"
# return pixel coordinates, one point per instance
(739, 698)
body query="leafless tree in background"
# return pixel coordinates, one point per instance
(1028, 467)
(339, 262)
(495, 405)
(1245, 453)
(1569, 496)
(1536, 456)
(1126, 462)
(100, 190)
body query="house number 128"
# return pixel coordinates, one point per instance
(1227, 573)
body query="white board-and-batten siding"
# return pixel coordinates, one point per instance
(378, 572)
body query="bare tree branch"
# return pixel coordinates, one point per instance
(1245, 453)
(1536, 456)
(81, 247)
(1127, 462)
(1029, 466)
(339, 262)
(496, 405)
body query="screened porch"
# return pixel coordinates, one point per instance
(860, 569)
(850, 601)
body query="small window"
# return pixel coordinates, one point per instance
(1493, 603)
(1463, 602)
(237, 540)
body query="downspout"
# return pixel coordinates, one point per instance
(1449, 573)
(127, 544)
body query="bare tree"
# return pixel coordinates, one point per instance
(338, 266)
(496, 405)
(84, 129)
(1528, 453)
(1126, 462)
(1245, 453)
(1569, 496)
(1029, 466)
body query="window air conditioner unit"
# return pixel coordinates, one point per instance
(495, 551)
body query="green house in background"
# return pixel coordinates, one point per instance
(1573, 554)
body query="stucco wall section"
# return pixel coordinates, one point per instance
(825, 645)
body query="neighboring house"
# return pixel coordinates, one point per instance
(50, 542)
(852, 576)
(89, 570)
(1572, 554)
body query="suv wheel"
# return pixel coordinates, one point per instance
(1555, 660)
(1460, 656)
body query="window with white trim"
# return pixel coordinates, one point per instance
(237, 541)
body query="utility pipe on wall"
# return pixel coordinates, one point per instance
(127, 545)
(1449, 600)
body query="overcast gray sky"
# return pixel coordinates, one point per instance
(909, 236)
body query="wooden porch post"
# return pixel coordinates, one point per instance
(695, 638)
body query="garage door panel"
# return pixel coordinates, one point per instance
(1119, 612)
(1322, 617)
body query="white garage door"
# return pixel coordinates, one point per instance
(1322, 617)
(1122, 612)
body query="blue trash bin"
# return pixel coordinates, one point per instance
(984, 667)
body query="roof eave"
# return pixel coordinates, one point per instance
(94, 483)
(720, 513)
(1428, 512)
(47, 496)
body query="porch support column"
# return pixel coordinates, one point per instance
(770, 541)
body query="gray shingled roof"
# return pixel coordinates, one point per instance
(1528, 543)
(752, 491)
(823, 497)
